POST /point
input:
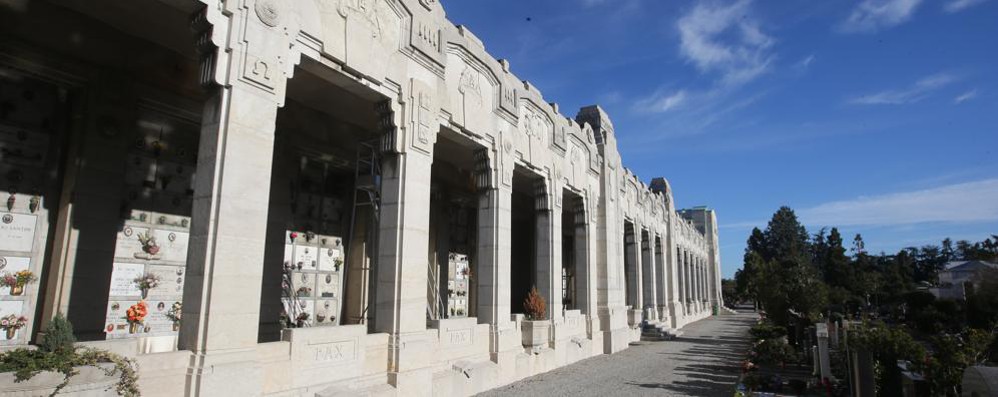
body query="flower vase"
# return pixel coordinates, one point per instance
(145, 293)
(176, 326)
(133, 328)
(16, 290)
(10, 333)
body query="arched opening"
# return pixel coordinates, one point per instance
(324, 205)
(524, 236)
(453, 234)
(574, 252)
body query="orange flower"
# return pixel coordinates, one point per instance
(137, 312)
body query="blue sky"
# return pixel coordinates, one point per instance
(876, 116)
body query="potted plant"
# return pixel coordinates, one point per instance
(146, 282)
(136, 315)
(304, 292)
(535, 327)
(11, 323)
(17, 281)
(175, 314)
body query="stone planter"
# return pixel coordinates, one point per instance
(90, 381)
(535, 333)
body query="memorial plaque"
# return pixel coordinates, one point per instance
(171, 281)
(306, 257)
(116, 320)
(329, 285)
(157, 322)
(172, 245)
(329, 258)
(303, 281)
(123, 279)
(326, 311)
(128, 244)
(17, 232)
(13, 264)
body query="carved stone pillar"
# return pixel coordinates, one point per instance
(548, 239)
(649, 276)
(228, 236)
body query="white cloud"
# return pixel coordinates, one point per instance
(661, 102)
(966, 96)
(725, 40)
(958, 203)
(873, 15)
(725, 44)
(806, 62)
(912, 94)
(960, 5)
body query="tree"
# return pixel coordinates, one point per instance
(745, 278)
(786, 282)
(947, 251)
(785, 238)
(729, 291)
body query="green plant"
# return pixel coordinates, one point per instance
(774, 351)
(58, 354)
(58, 336)
(534, 306)
(767, 330)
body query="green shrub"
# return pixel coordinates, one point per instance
(58, 336)
(767, 330)
(774, 351)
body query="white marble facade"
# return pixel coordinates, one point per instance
(638, 260)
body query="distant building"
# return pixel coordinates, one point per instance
(953, 280)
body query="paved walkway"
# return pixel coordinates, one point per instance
(703, 362)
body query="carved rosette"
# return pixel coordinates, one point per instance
(268, 11)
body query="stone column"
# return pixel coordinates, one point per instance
(494, 256)
(662, 279)
(706, 282)
(548, 248)
(681, 276)
(650, 307)
(698, 292)
(584, 276)
(400, 272)
(632, 252)
(228, 235)
(700, 281)
(690, 279)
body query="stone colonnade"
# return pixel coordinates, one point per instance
(639, 263)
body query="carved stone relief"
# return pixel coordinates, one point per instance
(471, 86)
(423, 123)
(533, 125)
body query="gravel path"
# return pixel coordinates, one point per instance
(703, 362)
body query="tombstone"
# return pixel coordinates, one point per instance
(823, 355)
